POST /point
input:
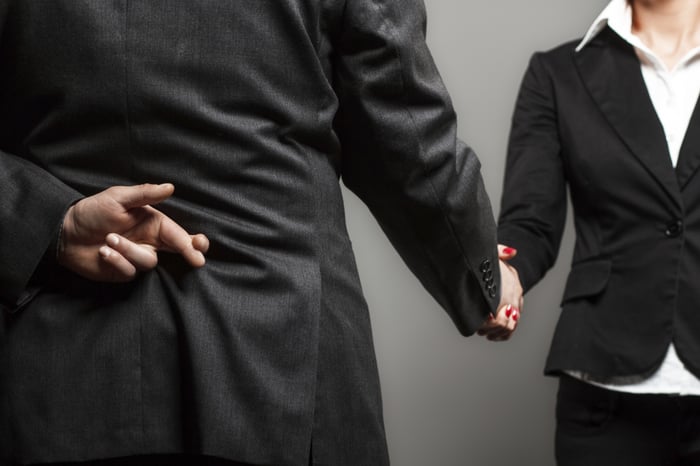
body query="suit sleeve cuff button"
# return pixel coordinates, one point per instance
(485, 266)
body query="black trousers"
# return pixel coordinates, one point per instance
(156, 460)
(599, 427)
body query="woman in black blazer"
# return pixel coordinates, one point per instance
(612, 117)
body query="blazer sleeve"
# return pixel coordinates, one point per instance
(401, 156)
(533, 206)
(32, 206)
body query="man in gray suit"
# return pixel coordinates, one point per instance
(112, 348)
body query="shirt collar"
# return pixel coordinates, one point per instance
(618, 16)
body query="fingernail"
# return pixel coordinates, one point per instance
(490, 316)
(509, 310)
(105, 251)
(509, 251)
(112, 239)
(516, 316)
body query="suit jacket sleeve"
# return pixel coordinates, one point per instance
(401, 156)
(32, 206)
(533, 206)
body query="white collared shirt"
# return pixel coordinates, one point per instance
(674, 94)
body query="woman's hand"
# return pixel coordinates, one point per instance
(501, 326)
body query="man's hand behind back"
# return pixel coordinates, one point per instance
(114, 234)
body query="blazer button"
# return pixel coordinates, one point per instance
(485, 266)
(492, 291)
(488, 274)
(674, 228)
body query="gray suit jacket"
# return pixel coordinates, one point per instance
(254, 109)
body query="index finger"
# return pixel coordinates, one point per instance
(141, 195)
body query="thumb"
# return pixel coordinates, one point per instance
(141, 195)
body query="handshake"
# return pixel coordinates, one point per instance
(501, 326)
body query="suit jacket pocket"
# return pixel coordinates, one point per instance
(587, 279)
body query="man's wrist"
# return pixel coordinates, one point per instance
(63, 231)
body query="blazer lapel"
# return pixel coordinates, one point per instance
(689, 158)
(610, 70)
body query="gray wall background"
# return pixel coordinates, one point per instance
(448, 400)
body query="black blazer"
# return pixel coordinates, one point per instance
(586, 120)
(253, 109)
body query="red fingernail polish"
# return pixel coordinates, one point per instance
(515, 316)
(509, 311)
(508, 251)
